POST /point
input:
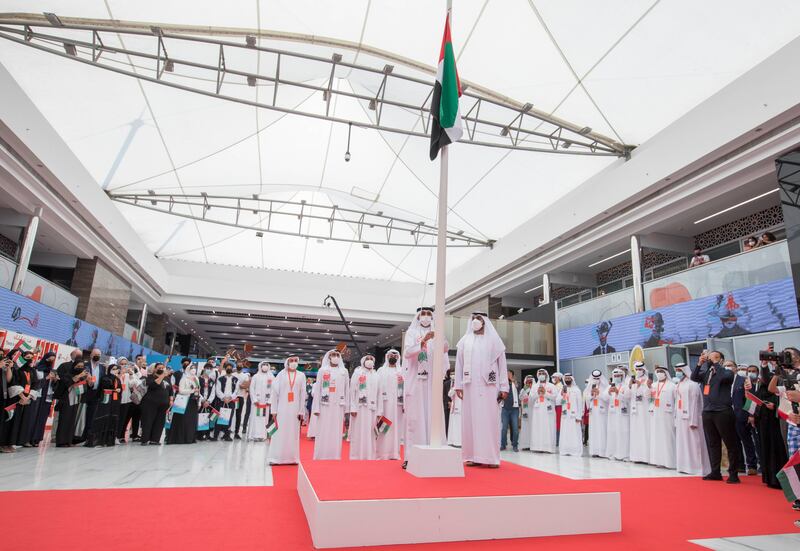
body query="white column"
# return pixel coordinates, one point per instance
(26, 247)
(142, 322)
(546, 289)
(636, 270)
(437, 430)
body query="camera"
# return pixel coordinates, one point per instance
(784, 370)
(784, 359)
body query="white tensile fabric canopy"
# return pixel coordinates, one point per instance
(625, 68)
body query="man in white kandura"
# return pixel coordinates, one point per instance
(525, 397)
(418, 381)
(571, 440)
(454, 426)
(482, 384)
(287, 406)
(330, 403)
(639, 450)
(690, 445)
(364, 409)
(390, 406)
(662, 420)
(260, 390)
(543, 419)
(618, 434)
(595, 395)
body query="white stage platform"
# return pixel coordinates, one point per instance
(453, 518)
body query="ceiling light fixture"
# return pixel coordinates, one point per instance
(531, 290)
(736, 206)
(626, 251)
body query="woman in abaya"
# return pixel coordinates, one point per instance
(106, 417)
(46, 372)
(70, 388)
(22, 393)
(206, 396)
(183, 428)
(773, 448)
(155, 404)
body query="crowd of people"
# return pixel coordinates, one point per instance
(677, 422)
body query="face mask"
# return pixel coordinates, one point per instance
(618, 379)
(640, 373)
(542, 378)
(208, 372)
(452, 377)
(742, 373)
(369, 364)
(425, 321)
(193, 371)
(392, 361)
(159, 371)
(661, 376)
(264, 368)
(595, 380)
(292, 366)
(95, 358)
(477, 325)
(753, 376)
(229, 371)
(334, 360)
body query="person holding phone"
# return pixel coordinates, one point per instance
(719, 422)
(596, 397)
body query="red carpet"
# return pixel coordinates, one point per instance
(656, 513)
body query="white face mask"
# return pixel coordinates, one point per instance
(264, 368)
(640, 373)
(617, 379)
(292, 366)
(334, 360)
(661, 376)
(742, 373)
(477, 325)
(542, 378)
(369, 364)
(425, 321)
(193, 371)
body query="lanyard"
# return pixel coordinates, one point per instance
(27, 383)
(116, 388)
(291, 380)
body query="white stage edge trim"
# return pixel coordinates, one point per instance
(433, 520)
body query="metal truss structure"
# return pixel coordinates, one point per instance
(788, 169)
(298, 218)
(400, 103)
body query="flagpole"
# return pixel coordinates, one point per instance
(437, 404)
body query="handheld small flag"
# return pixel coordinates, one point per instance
(446, 126)
(272, 429)
(383, 426)
(751, 403)
(789, 478)
(785, 416)
(107, 396)
(23, 348)
(10, 411)
(212, 419)
(261, 410)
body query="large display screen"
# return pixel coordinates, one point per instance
(767, 307)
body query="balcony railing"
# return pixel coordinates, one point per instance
(38, 288)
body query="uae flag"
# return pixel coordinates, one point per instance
(785, 416)
(751, 403)
(23, 348)
(261, 410)
(789, 477)
(446, 126)
(212, 419)
(383, 426)
(10, 411)
(272, 429)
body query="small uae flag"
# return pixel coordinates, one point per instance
(272, 429)
(383, 426)
(212, 419)
(261, 410)
(10, 411)
(789, 477)
(107, 396)
(23, 348)
(751, 403)
(785, 416)
(446, 126)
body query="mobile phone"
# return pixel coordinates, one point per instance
(771, 346)
(650, 377)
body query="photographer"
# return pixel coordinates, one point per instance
(784, 383)
(719, 422)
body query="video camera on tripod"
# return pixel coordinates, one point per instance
(784, 370)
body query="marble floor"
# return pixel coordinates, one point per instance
(776, 542)
(585, 468)
(235, 463)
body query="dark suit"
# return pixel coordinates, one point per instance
(743, 429)
(599, 350)
(92, 397)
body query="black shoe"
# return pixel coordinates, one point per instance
(135, 439)
(143, 443)
(733, 479)
(405, 464)
(713, 477)
(212, 439)
(237, 437)
(796, 505)
(227, 439)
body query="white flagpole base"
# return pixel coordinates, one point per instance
(435, 461)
